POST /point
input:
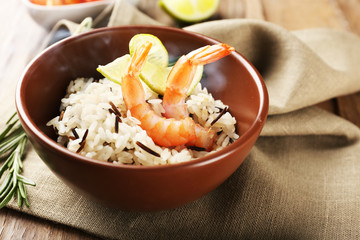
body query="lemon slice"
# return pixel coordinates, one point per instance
(158, 54)
(190, 10)
(116, 69)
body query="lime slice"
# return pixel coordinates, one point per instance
(197, 77)
(155, 71)
(190, 10)
(158, 54)
(155, 77)
(115, 70)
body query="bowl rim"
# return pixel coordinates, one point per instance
(77, 6)
(210, 158)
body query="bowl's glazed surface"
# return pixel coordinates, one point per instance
(232, 79)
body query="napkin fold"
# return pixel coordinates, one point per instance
(301, 179)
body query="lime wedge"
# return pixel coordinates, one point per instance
(158, 54)
(155, 77)
(155, 71)
(197, 77)
(190, 10)
(116, 69)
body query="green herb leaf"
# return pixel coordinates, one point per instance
(12, 145)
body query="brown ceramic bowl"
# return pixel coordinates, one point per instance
(232, 79)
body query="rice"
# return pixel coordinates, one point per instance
(119, 139)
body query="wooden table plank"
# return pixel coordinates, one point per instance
(254, 9)
(350, 10)
(340, 14)
(295, 14)
(16, 225)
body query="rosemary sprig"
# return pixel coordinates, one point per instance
(12, 145)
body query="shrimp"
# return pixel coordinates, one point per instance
(166, 132)
(182, 74)
(175, 127)
(179, 81)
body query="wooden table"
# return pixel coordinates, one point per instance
(21, 38)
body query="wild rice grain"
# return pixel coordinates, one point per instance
(117, 120)
(196, 148)
(61, 115)
(219, 116)
(111, 111)
(114, 108)
(76, 135)
(149, 150)
(82, 145)
(85, 135)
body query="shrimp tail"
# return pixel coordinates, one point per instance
(138, 60)
(177, 85)
(182, 74)
(131, 86)
(209, 54)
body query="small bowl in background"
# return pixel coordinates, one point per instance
(48, 16)
(43, 84)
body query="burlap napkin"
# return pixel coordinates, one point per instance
(302, 178)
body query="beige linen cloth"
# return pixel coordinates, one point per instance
(300, 181)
